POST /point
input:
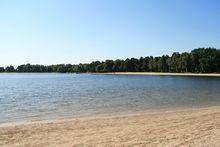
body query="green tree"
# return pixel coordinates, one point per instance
(10, 69)
(2, 69)
(108, 65)
(145, 66)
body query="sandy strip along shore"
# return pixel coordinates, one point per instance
(163, 74)
(199, 127)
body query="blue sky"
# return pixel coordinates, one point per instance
(67, 31)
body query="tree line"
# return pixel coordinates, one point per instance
(201, 60)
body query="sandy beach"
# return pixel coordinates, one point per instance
(199, 127)
(163, 74)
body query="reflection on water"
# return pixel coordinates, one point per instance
(25, 97)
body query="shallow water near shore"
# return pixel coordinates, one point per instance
(26, 97)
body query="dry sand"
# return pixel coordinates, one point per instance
(200, 127)
(163, 74)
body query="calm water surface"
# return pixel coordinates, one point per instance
(24, 97)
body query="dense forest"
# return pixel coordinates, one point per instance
(201, 60)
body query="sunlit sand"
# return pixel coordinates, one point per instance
(163, 74)
(199, 127)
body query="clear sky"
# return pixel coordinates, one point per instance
(67, 31)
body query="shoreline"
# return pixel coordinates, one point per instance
(200, 126)
(161, 74)
(128, 73)
(155, 111)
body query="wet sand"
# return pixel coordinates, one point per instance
(163, 74)
(198, 127)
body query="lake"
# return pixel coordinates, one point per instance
(30, 96)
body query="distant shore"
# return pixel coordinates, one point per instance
(162, 74)
(128, 73)
(198, 127)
